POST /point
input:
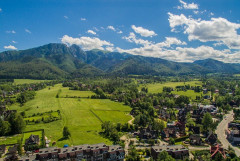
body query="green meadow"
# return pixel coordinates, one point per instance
(82, 116)
(158, 87)
(27, 81)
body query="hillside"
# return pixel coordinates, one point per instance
(54, 60)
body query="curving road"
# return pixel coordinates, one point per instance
(220, 131)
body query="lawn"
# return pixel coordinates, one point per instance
(70, 93)
(81, 115)
(27, 81)
(158, 87)
(190, 93)
(10, 139)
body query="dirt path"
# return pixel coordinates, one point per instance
(131, 121)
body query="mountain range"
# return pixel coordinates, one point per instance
(57, 60)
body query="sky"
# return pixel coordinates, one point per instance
(176, 30)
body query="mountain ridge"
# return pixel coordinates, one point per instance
(58, 60)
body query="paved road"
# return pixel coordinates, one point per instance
(223, 125)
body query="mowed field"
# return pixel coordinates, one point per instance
(82, 116)
(27, 81)
(158, 87)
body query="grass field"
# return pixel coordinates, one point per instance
(27, 81)
(10, 139)
(158, 87)
(189, 93)
(81, 115)
(66, 92)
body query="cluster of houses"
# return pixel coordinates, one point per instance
(95, 152)
(4, 112)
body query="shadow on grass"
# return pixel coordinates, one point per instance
(63, 138)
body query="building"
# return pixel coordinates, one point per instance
(3, 149)
(97, 152)
(234, 136)
(32, 140)
(176, 151)
(195, 139)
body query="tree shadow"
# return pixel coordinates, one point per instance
(63, 138)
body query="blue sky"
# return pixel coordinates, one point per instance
(177, 30)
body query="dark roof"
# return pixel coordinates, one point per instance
(33, 139)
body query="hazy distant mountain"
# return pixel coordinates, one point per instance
(60, 61)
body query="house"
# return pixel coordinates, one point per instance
(234, 125)
(148, 133)
(163, 114)
(3, 149)
(169, 132)
(205, 91)
(181, 127)
(176, 151)
(32, 140)
(195, 139)
(211, 138)
(234, 136)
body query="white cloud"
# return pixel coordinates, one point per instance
(91, 32)
(28, 31)
(11, 32)
(167, 43)
(111, 28)
(212, 14)
(87, 43)
(0, 10)
(111, 49)
(132, 38)
(185, 54)
(143, 32)
(185, 5)
(14, 42)
(10, 47)
(216, 29)
(83, 19)
(120, 32)
(66, 17)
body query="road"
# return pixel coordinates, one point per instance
(222, 126)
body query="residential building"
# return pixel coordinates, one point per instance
(176, 151)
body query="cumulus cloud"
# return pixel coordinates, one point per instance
(132, 38)
(10, 47)
(66, 17)
(111, 49)
(28, 31)
(87, 43)
(14, 42)
(120, 32)
(185, 54)
(185, 5)
(143, 32)
(167, 43)
(11, 32)
(111, 28)
(83, 19)
(91, 32)
(216, 29)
